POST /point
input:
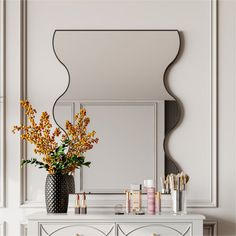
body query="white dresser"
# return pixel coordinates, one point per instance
(42, 224)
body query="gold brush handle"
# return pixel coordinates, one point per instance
(155, 234)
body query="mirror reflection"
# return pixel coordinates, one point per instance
(118, 76)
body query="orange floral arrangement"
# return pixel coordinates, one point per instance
(57, 159)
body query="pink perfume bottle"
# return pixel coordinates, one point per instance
(150, 188)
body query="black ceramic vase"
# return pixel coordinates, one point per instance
(70, 184)
(56, 193)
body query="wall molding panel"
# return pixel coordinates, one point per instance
(23, 93)
(136, 103)
(23, 229)
(210, 227)
(214, 105)
(2, 100)
(213, 168)
(2, 228)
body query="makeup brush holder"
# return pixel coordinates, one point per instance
(179, 202)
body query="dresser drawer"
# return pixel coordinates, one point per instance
(76, 229)
(154, 229)
(165, 224)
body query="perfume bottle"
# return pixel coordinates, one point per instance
(127, 201)
(136, 191)
(150, 188)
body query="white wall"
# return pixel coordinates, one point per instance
(194, 69)
(190, 80)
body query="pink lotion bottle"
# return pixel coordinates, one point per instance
(150, 188)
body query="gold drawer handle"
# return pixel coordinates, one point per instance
(152, 235)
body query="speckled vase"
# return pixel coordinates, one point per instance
(56, 193)
(70, 184)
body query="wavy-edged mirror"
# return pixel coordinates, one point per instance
(119, 76)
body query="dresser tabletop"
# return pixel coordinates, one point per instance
(113, 217)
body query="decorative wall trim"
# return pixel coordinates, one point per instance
(73, 105)
(23, 229)
(154, 104)
(23, 94)
(2, 228)
(213, 201)
(2, 100)
(210, 227)
(214, 105)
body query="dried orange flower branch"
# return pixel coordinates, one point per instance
(57, 159)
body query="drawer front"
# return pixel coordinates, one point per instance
(154, 229)
(76, 229)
